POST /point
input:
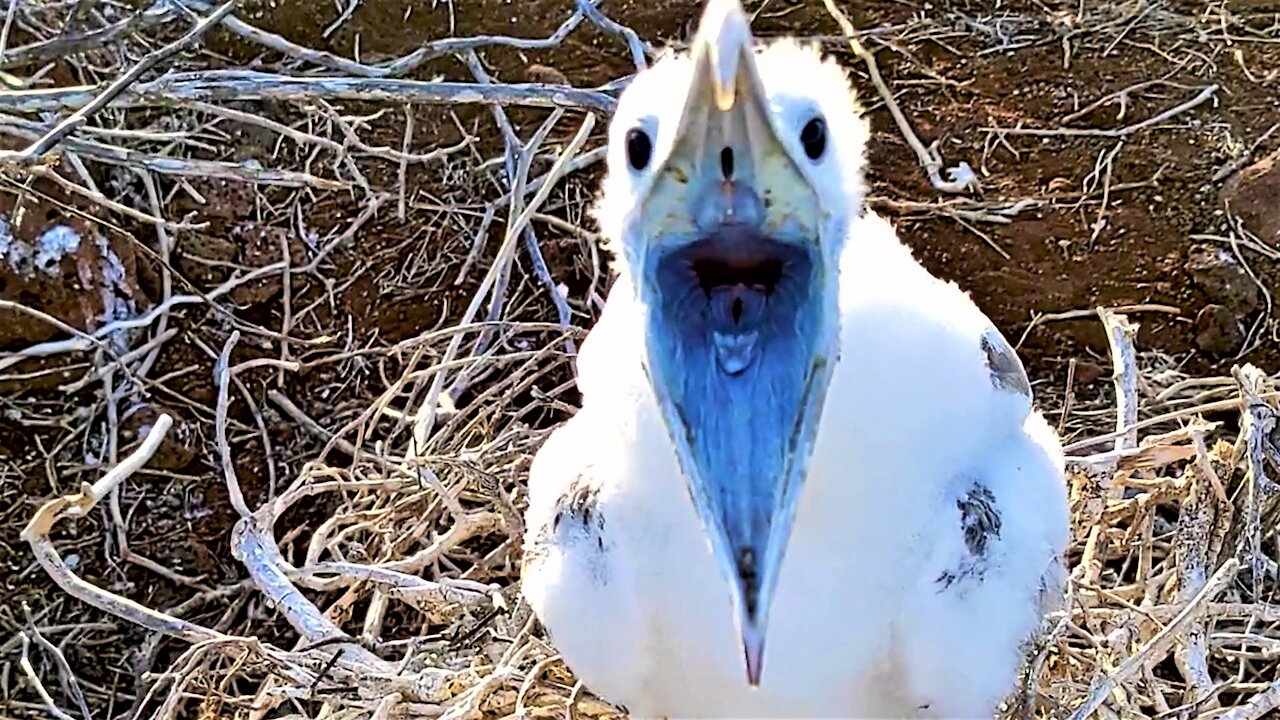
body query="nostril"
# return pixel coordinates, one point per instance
(726, 163)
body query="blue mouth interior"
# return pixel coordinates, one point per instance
(733, 333)
(736, 291)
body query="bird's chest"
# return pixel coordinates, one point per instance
(828, 651)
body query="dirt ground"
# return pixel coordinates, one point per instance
(1179, 217)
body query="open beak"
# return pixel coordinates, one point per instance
(740, 315)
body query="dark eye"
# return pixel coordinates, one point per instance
(639, 148)
(814, 138)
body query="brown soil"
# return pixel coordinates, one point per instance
(397, 278)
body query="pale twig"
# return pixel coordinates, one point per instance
(222, 372)
(1120, 336)
(517, 160)
(79, 117)
(25, 663)
(70, 685)
(1257, 422)
(98, 198)
(1155, 649)
(962, 176)
(36, 534)
(1203, 96)
(1258, 706)
(178, 89)
(640, 50)
(8, 26)
(426, 413)
(249, 171)
(1218, 406)
(164, 246)
(412, 61)
(1042, 318)
(159, 13)
(83, 341)
(1192, 555)
(253, 545)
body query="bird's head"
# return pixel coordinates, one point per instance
(734, 173)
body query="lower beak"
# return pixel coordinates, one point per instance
(738, 317)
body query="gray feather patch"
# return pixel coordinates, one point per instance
(576, 530)
(1007, 372)
(979, 524)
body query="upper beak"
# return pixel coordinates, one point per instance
(732, 188)
(728, 163)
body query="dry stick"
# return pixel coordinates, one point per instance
(118, 522)
(423, 594)
(254, 546)
(1037, 320)
(159, 13)
(25, 663)
(1191, 554)
(310, 425)
(166, 275)
(181, 89)
(1001, 216)
(1120, 336)
(106, 202)
(584, 160)
(366, 214)
(1218, 406)
(41, 524)
(70, 686)
(426, 415)
(517, 162)
(1258, 706)
(1160, 451)
(67, 126)
(639, 49)
(1123, 96)
(347, 12)
(1200, 98)
(399, 66)
(222, 373)
(962, 176)
(1158, 646)
(402, 174)
(1257, 421)
(83, 341)
(166, 165)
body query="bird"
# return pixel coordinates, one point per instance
(807, 477)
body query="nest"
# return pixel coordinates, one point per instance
(379, 576)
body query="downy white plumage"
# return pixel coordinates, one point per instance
(807, 479)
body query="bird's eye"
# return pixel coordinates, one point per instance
(639, 148)
(814, 138)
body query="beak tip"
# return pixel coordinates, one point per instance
(753, 654)
(726, 33)
(725, 96)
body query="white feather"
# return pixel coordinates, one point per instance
(861, 625)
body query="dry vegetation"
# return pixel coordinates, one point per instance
(332, 306)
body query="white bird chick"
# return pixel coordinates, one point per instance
(806, 479)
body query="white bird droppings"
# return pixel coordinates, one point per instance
(54, 244)
(45, 256)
